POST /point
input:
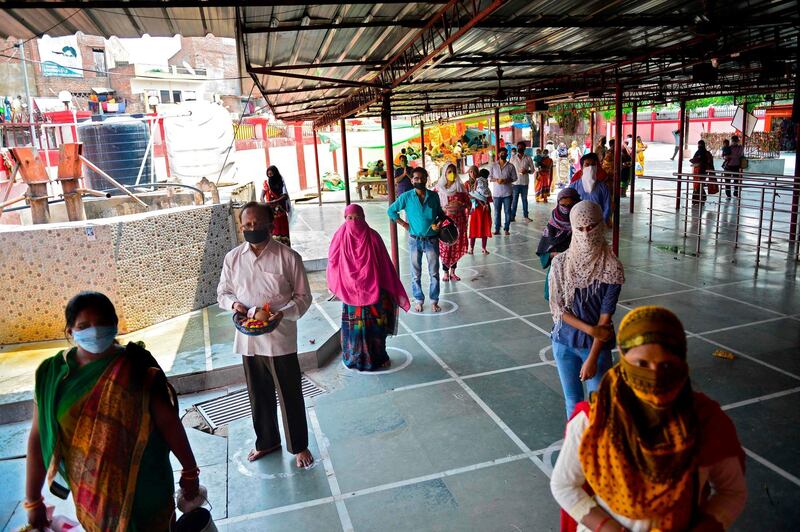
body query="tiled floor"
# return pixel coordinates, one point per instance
(462, 433)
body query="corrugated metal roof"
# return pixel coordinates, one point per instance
(547, 49)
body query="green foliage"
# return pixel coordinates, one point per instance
(568, 118)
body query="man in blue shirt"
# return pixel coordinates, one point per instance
(424, 213)
(591, 188)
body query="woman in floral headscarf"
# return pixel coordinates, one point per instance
(557, 233)
(454, 198)
(649, 453)
(585, 283)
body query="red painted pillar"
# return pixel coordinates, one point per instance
(265, 136)
(653, 117)
(681, 141)
(300, 153)
(386, 120)
(335, 162)
(618, 140)
(164, 144)
(316, 165)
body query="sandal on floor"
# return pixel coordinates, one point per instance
(454, 277)
(445, 278)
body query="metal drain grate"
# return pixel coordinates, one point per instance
(222, 410)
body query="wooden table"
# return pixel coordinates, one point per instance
(365, 183)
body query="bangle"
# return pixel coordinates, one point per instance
(30, 505)
(602, 524)
(190, 474)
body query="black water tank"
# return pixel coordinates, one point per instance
(116, 145)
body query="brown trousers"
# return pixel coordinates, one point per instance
(266, 375)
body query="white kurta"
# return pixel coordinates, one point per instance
(277, 277)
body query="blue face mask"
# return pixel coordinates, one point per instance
(95, 340)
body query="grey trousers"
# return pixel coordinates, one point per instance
(266, 375)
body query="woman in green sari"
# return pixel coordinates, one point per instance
(105, 419)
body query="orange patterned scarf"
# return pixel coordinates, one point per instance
(639, 456)
(104, 447)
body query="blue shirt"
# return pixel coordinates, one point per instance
(599, 194)
(587, 307)
(420, 214)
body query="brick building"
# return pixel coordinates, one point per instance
(201, 68)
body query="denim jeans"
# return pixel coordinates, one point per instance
(430, 248)
(520, 191)
(505, 203)
(569, 361)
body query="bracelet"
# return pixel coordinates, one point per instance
(30, 505)
(602, 523)
(190, 474)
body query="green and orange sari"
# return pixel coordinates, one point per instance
(99, 441)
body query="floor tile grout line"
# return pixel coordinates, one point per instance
(489, 412)
(207, 340)
(506, 309)
(327, 316)
(734, 327)
(761, 399)
(392, 485)
(471, 376)
(537, 270)
(765, 309)
(341, 509)
(475, 324)
(769, 465)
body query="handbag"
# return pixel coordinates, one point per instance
(743, 163)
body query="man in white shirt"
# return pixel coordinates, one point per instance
(502, 175)
(523, 164)
(264, 271)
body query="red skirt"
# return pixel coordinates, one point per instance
(280, 228)
(449, 255)
(480, 221)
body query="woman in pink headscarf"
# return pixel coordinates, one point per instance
(363, 277)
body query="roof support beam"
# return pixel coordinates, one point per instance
(265, 28)
(438, 35)
(337, 82)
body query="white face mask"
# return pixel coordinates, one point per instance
(588, 178)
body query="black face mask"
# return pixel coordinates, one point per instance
(419, 186)
(256, 237)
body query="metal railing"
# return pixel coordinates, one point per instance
(757, 216)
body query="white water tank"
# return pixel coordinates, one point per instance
(199, 137)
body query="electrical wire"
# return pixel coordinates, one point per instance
(57, 24)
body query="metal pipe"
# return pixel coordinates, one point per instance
(24, 62)
(316, 165)
(387, 143)
(166, 185)
(650, 228)
(95, 193)
(772, 213)
(422, 141)
(760, 224)
(793, 225)
(144, 158)
(738, 214)
(346, 169)
(12, 202)
(113, 181)
(591, 130)
(497, 132)
(633, 159)
(681, 140)
(687, 202)
(617, 192)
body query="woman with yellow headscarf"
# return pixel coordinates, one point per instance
(647, 452)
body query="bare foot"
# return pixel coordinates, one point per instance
(454, 277)
(418, 307)
(255, 454)
(435, 307)
(445, 278)
(387, 364)
(485, 251)
(304, 458)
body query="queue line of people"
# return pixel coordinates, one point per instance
(644, 452)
